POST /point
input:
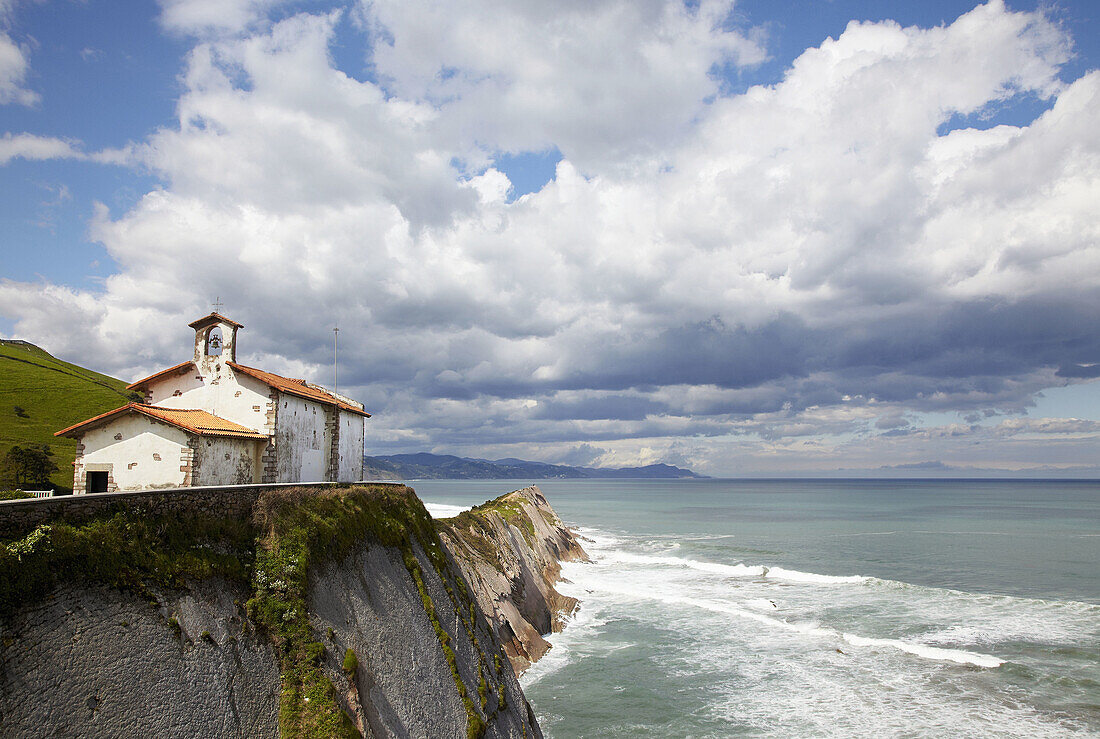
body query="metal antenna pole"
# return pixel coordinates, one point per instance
(335, 360)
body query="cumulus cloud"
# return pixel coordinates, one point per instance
(28, 146)
(611, 82)
(39, 148)
(794, 270)
(39, 307)
(14, 63)
(583, 455)
(214, 17)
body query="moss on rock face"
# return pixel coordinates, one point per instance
(123, 550)
(511, 549)
(351, 662)
(477, 534)
(512, 512)
(303, 527)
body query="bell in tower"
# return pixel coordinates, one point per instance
(215, 339)
(214, 342)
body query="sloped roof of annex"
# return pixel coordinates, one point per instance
(192, 420)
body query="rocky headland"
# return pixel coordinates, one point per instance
(340, 612)
(510, 550)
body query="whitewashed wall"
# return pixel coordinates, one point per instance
(221, 460)
(301, 447)
(134, 457)
(225, 393)
(163, 391)
(351, 447)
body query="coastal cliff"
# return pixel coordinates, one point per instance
(510, 550)
(328, 613)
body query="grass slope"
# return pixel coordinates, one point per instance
(53, 394)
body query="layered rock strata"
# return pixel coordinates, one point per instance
(510, 550)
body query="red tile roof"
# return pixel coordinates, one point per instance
(200, 422)
(297, 387)
(214, 317)
(182, 368)
(188, 419)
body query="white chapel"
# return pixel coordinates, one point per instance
(211, 421)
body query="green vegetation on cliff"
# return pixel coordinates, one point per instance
(40, 394)
(351, 663)
(472, 527)
(300, 528)
(125, 551)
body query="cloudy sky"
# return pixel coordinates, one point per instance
(762, 237)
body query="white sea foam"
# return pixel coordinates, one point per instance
(737, 570)
(444, 510)
(813, 577)
(922, 650)
(578, 629)
(597, 540)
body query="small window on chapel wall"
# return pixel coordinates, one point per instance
(214, 342)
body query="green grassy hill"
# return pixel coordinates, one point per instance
(51, 394)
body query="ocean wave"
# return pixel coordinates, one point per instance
(597, 539)
(818, 654)
(610, 555)
(737, 570)
(1077, 606)
(959, 656)
(990, 619)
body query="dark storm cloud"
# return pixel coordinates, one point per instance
(981, 350)
(1080, 371)
(976, 356)
(619, 407)
(705, 353)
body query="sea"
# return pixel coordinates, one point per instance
(820, 608)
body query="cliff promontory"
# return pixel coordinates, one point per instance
(333, 612)
(510, 550)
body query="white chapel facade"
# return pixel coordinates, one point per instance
(212, 421)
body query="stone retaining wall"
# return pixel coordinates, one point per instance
(19, 517)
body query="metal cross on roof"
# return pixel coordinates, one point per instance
(218, 304)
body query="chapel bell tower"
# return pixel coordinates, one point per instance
(215, 339)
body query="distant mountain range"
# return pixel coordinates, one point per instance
(425, 466)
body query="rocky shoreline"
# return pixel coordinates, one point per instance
(510, 551)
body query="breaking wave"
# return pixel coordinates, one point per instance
(444, 510)
(737, 570)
